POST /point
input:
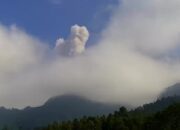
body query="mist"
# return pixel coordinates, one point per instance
(131, 64)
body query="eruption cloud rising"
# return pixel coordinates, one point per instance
(131, 64)
(76, 42)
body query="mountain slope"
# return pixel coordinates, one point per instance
(68, 107)
(158, 105)
(55, 109)
(171, 91)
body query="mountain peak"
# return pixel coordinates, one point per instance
(66, 99)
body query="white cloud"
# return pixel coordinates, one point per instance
(152, 26)
(121, 68)
(18, 50)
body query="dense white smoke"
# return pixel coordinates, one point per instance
(76, 42)
(131, 64)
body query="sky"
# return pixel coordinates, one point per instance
(49, 19)
(119, 52)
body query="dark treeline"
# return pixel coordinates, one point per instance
(168, 119)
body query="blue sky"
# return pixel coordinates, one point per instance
(49, 19)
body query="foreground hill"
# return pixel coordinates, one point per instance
(57, 108)
(167, 119)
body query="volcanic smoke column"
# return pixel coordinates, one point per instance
(75, 44)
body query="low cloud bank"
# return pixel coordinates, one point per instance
(131, 64)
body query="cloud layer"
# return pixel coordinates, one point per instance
(131, 63)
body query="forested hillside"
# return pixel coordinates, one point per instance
(76, 113)
(168, 119)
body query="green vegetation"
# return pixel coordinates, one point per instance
(168, 119)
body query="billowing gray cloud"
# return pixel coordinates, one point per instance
(129, 64)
